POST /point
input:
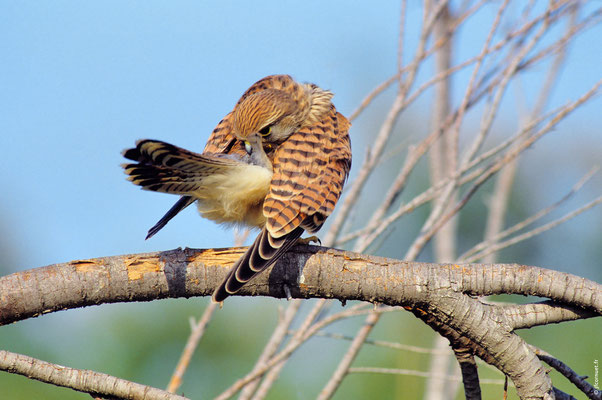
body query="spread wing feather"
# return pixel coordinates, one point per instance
(162, 167)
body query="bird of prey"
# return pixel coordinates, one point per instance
(277, 162)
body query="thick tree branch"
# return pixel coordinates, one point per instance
(310, 272)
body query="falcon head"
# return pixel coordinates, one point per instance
(275, 114)
(271, 113)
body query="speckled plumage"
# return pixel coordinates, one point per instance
(278, 162)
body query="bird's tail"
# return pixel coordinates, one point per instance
(181, 204)
(265, 251)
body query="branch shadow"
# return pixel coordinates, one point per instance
(288, 270)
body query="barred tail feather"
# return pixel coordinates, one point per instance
(181, 204)
(264, 252)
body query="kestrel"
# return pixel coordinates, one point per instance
(277, 162)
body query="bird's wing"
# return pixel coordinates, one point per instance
(162, 167)
(220, 142)
(310, 168)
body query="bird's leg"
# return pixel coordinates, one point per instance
(308, 240)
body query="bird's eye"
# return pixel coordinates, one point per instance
(265, 130)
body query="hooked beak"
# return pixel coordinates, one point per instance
(248, 147)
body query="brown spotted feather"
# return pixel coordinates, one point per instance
(309, 173)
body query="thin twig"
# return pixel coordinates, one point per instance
(378, 226)
(471, 84)
(192, 343)
(274, 372)
(400, 39)
(385, 85)
(409, 372)
(292, 346)
(503, 185)
(343, 367)
(386, 344)
(276, 340)
(417, 349)
(427, 234)
(468, 255)
(384, 133)
(415, 155)
(534, 232)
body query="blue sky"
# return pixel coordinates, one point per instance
(81, 81)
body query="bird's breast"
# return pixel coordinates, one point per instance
(236, 197)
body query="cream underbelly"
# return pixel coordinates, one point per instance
(235, 198)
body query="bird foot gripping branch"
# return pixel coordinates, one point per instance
(310, 239)
(278, 162)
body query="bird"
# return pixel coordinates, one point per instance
(277, 162)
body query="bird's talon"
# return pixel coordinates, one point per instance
(287, 292)
(308, 240)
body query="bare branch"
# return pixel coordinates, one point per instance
(470, 376)
(397, 371)
(385, 131)
(534, 232)
(278, 336)
(429, 231)
(309, 271)
(198, 329)
(493, 238)
(571, 375)
(523, 316)
(296, 340)
(85, 381)
(343, 367)
(382, 343)
(289, 349)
